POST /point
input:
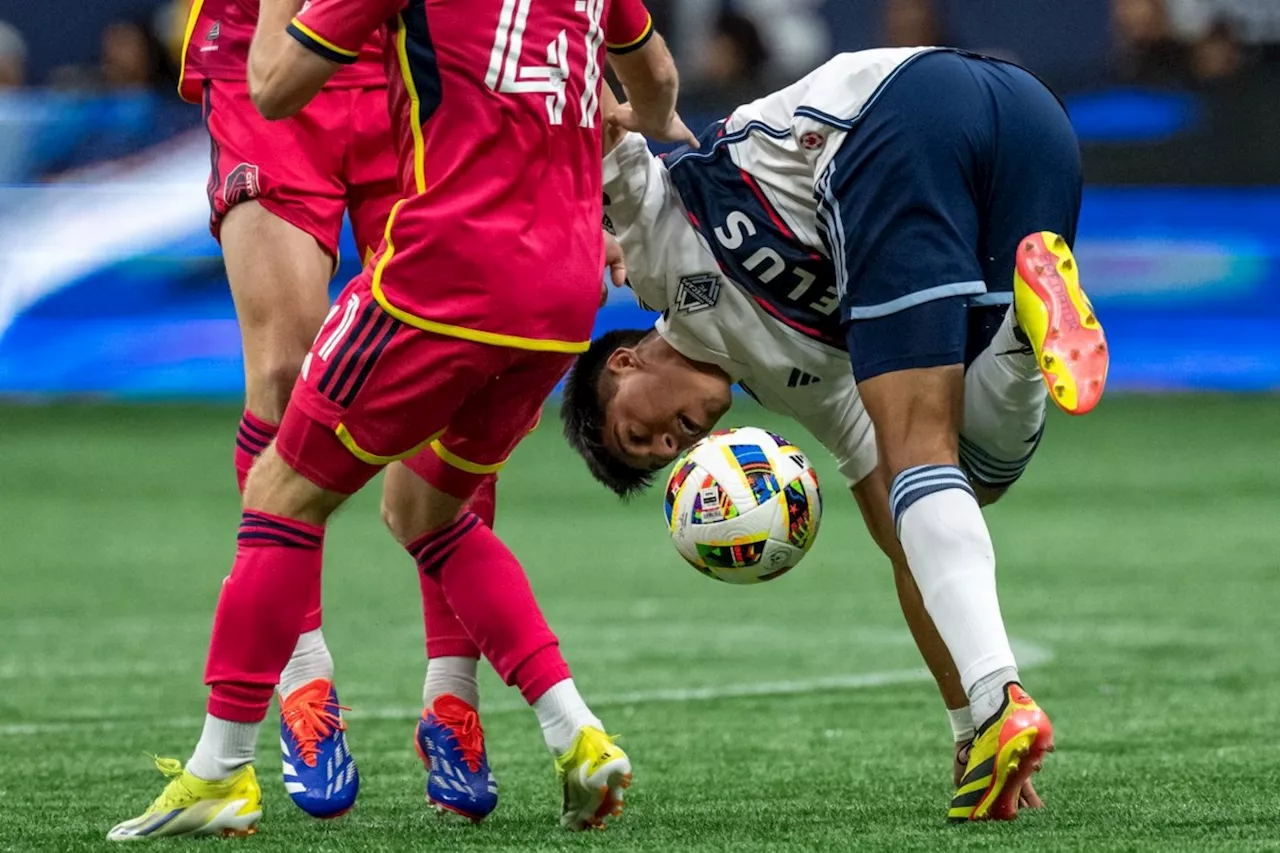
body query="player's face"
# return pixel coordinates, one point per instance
(660, 409)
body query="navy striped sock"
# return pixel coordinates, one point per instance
(915, 483)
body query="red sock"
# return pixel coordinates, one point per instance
(445, 635)
(487, 590)
(260, 613)
(251, 439)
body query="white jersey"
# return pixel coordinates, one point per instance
(771, 321)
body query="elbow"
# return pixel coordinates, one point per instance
(269, 97)
(272, 105)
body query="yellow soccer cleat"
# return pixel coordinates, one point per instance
(595, 773)
(193, 807)
(1057, 318)
(1008, 749)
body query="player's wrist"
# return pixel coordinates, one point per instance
(961, 720)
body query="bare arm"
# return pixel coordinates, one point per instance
(283, 75)
(649, 77)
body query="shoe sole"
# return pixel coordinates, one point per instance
(1019, 757)
(225, 824)
(1073, 357)
(589, 802)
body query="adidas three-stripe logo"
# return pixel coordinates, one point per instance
(800, 379)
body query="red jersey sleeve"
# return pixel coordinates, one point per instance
(628, 26)
(336, 29)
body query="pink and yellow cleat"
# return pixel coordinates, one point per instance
(1059, 322)
(1009, 748)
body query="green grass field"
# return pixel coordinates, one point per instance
(1140, 574)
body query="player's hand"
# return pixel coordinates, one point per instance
(1027, 797)
(616, 262)
(673, 131)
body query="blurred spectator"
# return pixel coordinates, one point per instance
(132, 57)
(735, 54)
(911, 23)
(1218, 55)
(13, 57)
(1145, 49)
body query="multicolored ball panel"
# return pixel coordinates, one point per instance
(799, 518)
(712, 504)
(674, 485)
(756, 470)
(741, 554)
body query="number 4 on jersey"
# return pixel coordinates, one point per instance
(509, 76)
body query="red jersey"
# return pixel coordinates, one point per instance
(496, 112)
(215, 46)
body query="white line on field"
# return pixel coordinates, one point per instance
(1029, 655)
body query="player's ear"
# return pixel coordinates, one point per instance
(623, 360)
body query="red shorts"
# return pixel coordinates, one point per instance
(375, 390)
(335, 155)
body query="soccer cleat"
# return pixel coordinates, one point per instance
(1008, 748)
(319, 772)
(193, 807)
(1059, 322)
(450, 742)
(594, 773)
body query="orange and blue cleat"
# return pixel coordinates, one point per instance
(1008, 748)
(319, 772)
(1060, 323)
(450, 743)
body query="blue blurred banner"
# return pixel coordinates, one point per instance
(112, 286)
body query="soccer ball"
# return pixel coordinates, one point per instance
(743, 505)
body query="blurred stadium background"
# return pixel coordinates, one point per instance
(796, 716)
(112, 286)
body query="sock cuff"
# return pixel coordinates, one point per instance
(541, 671)
(921, 481)
(991, 471)
(263, 529)
(254, 434)
(430, 550)
(239, 702)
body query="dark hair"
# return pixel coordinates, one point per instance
(586, 393)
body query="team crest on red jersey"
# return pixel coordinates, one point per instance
(241, 184)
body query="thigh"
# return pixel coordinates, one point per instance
(917, 415)
(491, 422)
(279, 278)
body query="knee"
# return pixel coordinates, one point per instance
(397, 515)
(274, 487)
(269, 384)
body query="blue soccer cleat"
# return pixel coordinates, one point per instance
(319, 772)
(451, 744)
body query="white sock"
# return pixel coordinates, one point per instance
(224, 747)
(987, 695)
(561, 712)
(1004, 403)
(310, 660)
(951, 558)
(456, 675)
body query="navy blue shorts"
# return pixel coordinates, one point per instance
(950, 164)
